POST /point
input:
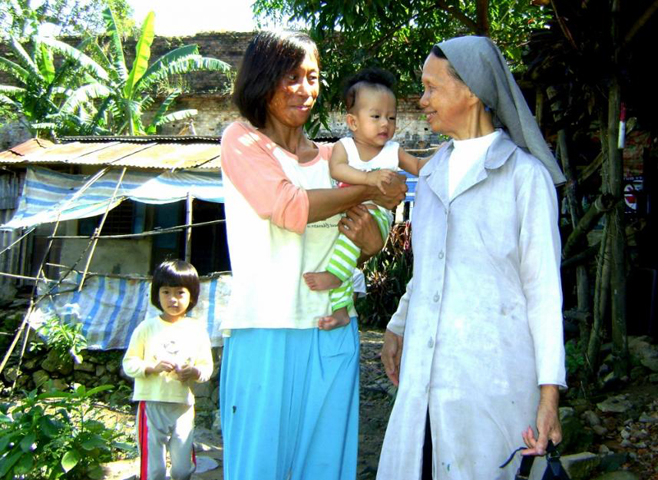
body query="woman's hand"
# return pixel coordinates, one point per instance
(359, 226)
(396, 190)
(391, 356)
(548, 423)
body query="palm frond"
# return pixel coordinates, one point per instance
(83, 95)
(176, 116)
(45, 61)
(164, 106)
(72, 53)
(142, 54)
(5, 100)
(24, 57)
(188, 64)
(11, 90)
(116, 47)
(162, 63)
(15, 70)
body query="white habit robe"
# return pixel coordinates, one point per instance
(481, 319)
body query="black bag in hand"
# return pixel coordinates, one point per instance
(554, 468)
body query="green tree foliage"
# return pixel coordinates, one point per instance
(22, 18)
(105, 95)
(40, 88)
(398, 36)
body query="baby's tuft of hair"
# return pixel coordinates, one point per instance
(367, 78)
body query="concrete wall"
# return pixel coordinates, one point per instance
(118, 256)
(216, 112)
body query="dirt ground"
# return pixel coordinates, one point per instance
(376, 404)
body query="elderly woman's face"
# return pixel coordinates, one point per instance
(296, 93)
(446, 101)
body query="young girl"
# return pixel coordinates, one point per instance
(166, 354)
(366, 158)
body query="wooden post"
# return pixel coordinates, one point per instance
(188, 230)
(616, 216)
(97, 232)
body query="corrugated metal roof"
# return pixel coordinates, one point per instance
(148, 152)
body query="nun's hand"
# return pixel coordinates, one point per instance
(548, 423)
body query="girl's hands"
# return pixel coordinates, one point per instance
(161, 366)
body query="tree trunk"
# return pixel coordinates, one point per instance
(603, 204)
(601, 293)
(616, 216)
(482, 10)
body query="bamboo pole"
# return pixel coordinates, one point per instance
(30, 230)
(34, 302)
(159, 231)
(98, 230)
(188, 231)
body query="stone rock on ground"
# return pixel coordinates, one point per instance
(620, 475)
(581, 465)
(56, 363)
(618, 404)
(644, 351)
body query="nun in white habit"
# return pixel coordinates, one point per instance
(477, 340)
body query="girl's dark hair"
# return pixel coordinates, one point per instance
(368, 77)
(175, 273)
(437, 52)
(269, 56)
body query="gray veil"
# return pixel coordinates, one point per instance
(484, 70)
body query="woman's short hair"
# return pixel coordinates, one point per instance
(437, 52)
(269, 56)
(175, 273)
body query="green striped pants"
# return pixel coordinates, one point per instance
(344, 259)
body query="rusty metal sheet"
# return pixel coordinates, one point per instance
(214, 164)
(166, 155)
(17, 154)
(169, 156)
(67, 152)
(114, 153)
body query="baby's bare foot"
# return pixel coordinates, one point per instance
(318, 281)
(339, 318)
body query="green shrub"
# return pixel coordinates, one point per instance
(52, 436)
(65, 339)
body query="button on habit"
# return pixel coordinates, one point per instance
(441, 255)
(430, 343)
(437, 297)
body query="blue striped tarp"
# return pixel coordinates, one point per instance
(47, 194)
(110, 309)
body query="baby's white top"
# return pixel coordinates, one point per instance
(386, 158)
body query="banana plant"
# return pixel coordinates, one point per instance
(96, 92)
(38, 86)
(123, 94)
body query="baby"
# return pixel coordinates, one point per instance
(368, 157)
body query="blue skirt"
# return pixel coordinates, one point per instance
(289, 404)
